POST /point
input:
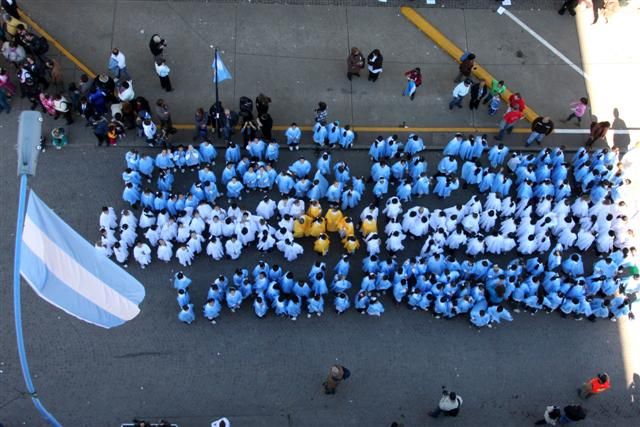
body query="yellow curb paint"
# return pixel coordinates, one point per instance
(27, 20)
(455, 52)
(391, 129)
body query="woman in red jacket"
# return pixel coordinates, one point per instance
(414, 78)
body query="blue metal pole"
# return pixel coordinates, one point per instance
(17, 310)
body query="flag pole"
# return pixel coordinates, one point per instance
(29, 134)
(218, 112)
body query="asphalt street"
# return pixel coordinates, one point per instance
(269, 372)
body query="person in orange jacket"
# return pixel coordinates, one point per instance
(509, 120)
(595, 385)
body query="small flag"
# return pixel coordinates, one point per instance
(219, 68)
(67, 271)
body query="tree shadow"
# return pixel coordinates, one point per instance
(620, 140)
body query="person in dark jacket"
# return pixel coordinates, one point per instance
(100, 127)
(465, 68)
(541, 127)
(266, 124)
(569, 5)
(262, 104)
(598, 130)
(478, 91)
(156, 46)
(414, 81)
(573, 413)
(374, 64)
(355, 63)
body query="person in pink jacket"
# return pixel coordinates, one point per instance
(578, 109)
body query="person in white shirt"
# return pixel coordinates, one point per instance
(233, 247)
(215, 249)
(165, 250)
(118, 65)
(142, 254)
(459, 92)
(125, 91)
(163, 70)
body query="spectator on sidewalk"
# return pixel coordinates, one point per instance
(337, 374)
(118, 65)
(459, 92)
(13, 53)
(163, 70)
(517, 101)
(374, 65)
(156, 46)
(595, 385)
(4, 102)
(266, 125)
(569, 5)
(321, 112)
(6, 84)
(509, 120)
(100, 128)
(478, 91)
(228, 122)
(465, 68)
(598, 130)
(449, 404)
(497, 88)
(125, 91)
(11, 7)
(201, 124)
(62, 107)
(578, 110)
(164, 115)
(552, 416)
(355, 63)
(414, 81)
(262, 104)
(541, 127)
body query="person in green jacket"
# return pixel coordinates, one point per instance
(497, 88)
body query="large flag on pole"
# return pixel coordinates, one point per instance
(66, 270)
(220, 69)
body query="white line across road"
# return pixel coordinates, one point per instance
(502, 11)
(586, 131)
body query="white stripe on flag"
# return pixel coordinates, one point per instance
(72, 273)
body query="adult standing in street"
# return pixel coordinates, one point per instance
(337, 374)
(118, 65)
(266, 125)
(414, 81)
(552, 416)
(598, 130)
(156, 46)
(163, 70)
(541, 127)
(164, 115)
(355, 63)
(374, 65)
(497, 88)
(478, 91)
(578, 110)
(568, 5)
(459, 92)
(262, 104)
(517, 101)
(11, 7)
(100, 127)
(573, 413)
(465, 68)
(595, 385)
(509, 120)
(449, 404)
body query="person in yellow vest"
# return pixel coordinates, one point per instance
(351, 244)
(346, 227)
(333, 218)
(11, 26)
(369, 225)
(321, 245)
(317, 227)
(315, 209)
(300, 227)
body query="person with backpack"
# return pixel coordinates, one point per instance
(449, 404)
(414, 81)
(337, 374)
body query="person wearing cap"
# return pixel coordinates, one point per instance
(156, 46)
(459, 92)
(541, 127)
(337, 374)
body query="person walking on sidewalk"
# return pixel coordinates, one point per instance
(573, 413)
(478, 91)
(118, 65)
(578, 110)
(163, 70)
(509, 120)
(595, 385)
(568, 5)
(337, 374)
(321, 112)
(459, 92)
(497, 88)
(156, 46)
(598, 130)
(465, 68)
(449, 404)
(551, 416)
(541, 127)
(414, 80)
(374, 64)
(355, 63)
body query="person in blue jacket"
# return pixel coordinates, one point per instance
(181, 281)
(211, 310)
(260, 307)
(315, 305)
(187, 315)
(294, 307)
(341, 303)
(375, 307)
(293, 134)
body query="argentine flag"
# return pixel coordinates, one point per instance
(67, 271)
(219, 69)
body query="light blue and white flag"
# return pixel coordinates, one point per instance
(66, 270)
(219, 69)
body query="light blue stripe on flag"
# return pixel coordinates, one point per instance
(66, 270)
(220, 69)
